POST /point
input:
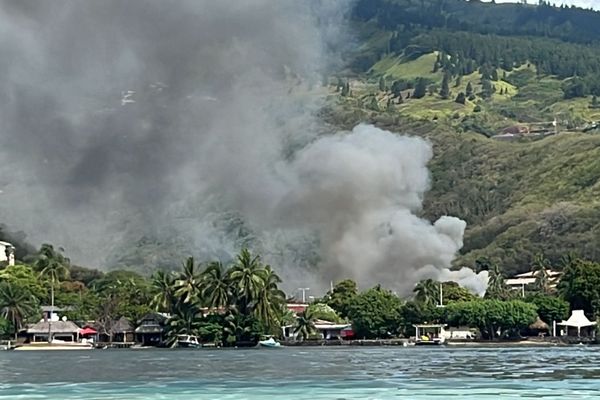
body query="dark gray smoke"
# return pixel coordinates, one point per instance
(123, 117)
(189, 127)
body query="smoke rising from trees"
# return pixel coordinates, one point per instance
(192, 125)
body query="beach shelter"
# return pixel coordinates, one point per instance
(577, 320)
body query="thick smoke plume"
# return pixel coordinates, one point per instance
(189, 127)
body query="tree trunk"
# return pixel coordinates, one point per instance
(51, 310)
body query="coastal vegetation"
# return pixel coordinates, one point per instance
(237, 303)
(459, 74)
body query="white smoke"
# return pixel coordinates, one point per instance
(361, 191)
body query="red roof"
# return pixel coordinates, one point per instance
(87, 331)
(296, 308)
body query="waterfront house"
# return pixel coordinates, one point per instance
(115, 331)
(123, 331)
(578, 324)
(151, 329)
(520, 282)
(330, 330)
(326, 330)
(61, 330)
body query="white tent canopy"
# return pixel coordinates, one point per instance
(577, 320)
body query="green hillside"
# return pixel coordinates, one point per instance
(512, 116)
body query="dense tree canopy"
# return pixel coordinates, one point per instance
(375, 313)
(580, 286)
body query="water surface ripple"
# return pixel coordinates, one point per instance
(304, 373)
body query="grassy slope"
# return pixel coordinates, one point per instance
(519, 198)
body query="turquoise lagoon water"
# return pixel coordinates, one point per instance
(304, 373)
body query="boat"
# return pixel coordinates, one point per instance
(55, 345)
(188, 341)
(429, 334)
(270, 342)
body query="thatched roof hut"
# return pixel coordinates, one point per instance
(43, 327)
(123, 325)
(539, 325)
(60, 330)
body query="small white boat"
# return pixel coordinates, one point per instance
(270, 342)
(188, 341)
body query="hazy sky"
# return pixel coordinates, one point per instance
(580, 3)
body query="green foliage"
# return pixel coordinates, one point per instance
(216, 290)
(580, 286)
(342, 296)
(382, 86)
(549, 308)
(5, 328)
(469, 90)
(445, 89)
(427, 292)
(304, 327)
(375, 313)
(17, 304)
(453, 292)
(461, 98)
(497, 288)
(420, 88)
(324, 312)
(493, 318)
(24, 277)
(211, 330)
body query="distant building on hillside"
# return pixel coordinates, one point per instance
(521, 281)
(7, 253)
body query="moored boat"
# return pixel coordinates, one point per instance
(429, 334)
(56, 345)
(188, 341)
(270, 342)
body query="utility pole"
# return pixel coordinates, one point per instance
(304, 290)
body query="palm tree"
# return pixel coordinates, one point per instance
(16, 303)
(187, 286)
(268, 306)
(216, 289)
(52, 265)
(496, 286)
(540, 271)
(163, 284)
(305, 324)
(237, 326)
(186, 320)
(247, 278)
(427, 292)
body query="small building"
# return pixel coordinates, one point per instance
(326, 330)
(7, 253)
(151, 329)
(330, 330)
(538, 328)
(117, 331)
(123, 331)
(578, 324)
(64, 330)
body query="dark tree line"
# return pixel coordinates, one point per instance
(473, 36)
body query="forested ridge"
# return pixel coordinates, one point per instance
(460, 72)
